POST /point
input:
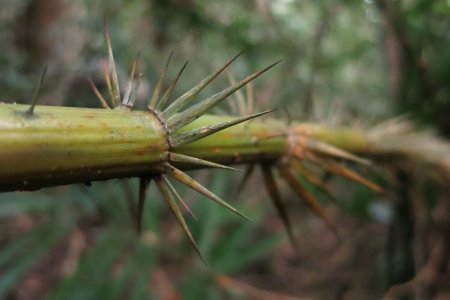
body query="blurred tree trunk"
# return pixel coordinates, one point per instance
(401, 234)
(49, 32)
(414, 85)
(34, 30)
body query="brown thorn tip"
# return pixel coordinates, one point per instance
(237, 55)
(34, 100)
(162, 102)
(268, 67)
(230, 61)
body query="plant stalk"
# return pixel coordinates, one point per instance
(62, 145)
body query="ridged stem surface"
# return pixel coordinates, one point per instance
(62, 145)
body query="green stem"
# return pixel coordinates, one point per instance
(61, 145)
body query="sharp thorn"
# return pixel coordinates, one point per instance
(108, 81)
(195, 111)
(130, 202)
(162, 103)
(112, 68)
(275, 196)
(312, 179)
(247, 174)
(184, 99)
(35, 98)
(202, 132)
(338, 169)
(185, 159)
(333, 151)
(144, 183)
(161, 182)
(184, 204)
(98, 95)
(307, 197)
(134, 90)
(193, 184)
(131, 82)
(154, 100)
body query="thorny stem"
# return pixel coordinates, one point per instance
(62, 145)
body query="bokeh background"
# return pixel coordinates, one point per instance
(347, 62)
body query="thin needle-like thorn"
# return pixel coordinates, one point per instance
(307, 197)
(161, 182)
(190, 182)
(112, 66)
(184, 99)
(330, 150)
(99, 95)
(247, 174)
(250, 98)
(184, 204)
(185, 159)
(240, 100)
(274, 193)
(195, 111)
(134, 90)
(154, 100)
(162, 103)
(199, 133)
(312, 179)
(35, 98)
(130, 202)
(108, 82)
(144, 183)
(338, 169)
(131, 81)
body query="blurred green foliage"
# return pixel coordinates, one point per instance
(117, 264)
